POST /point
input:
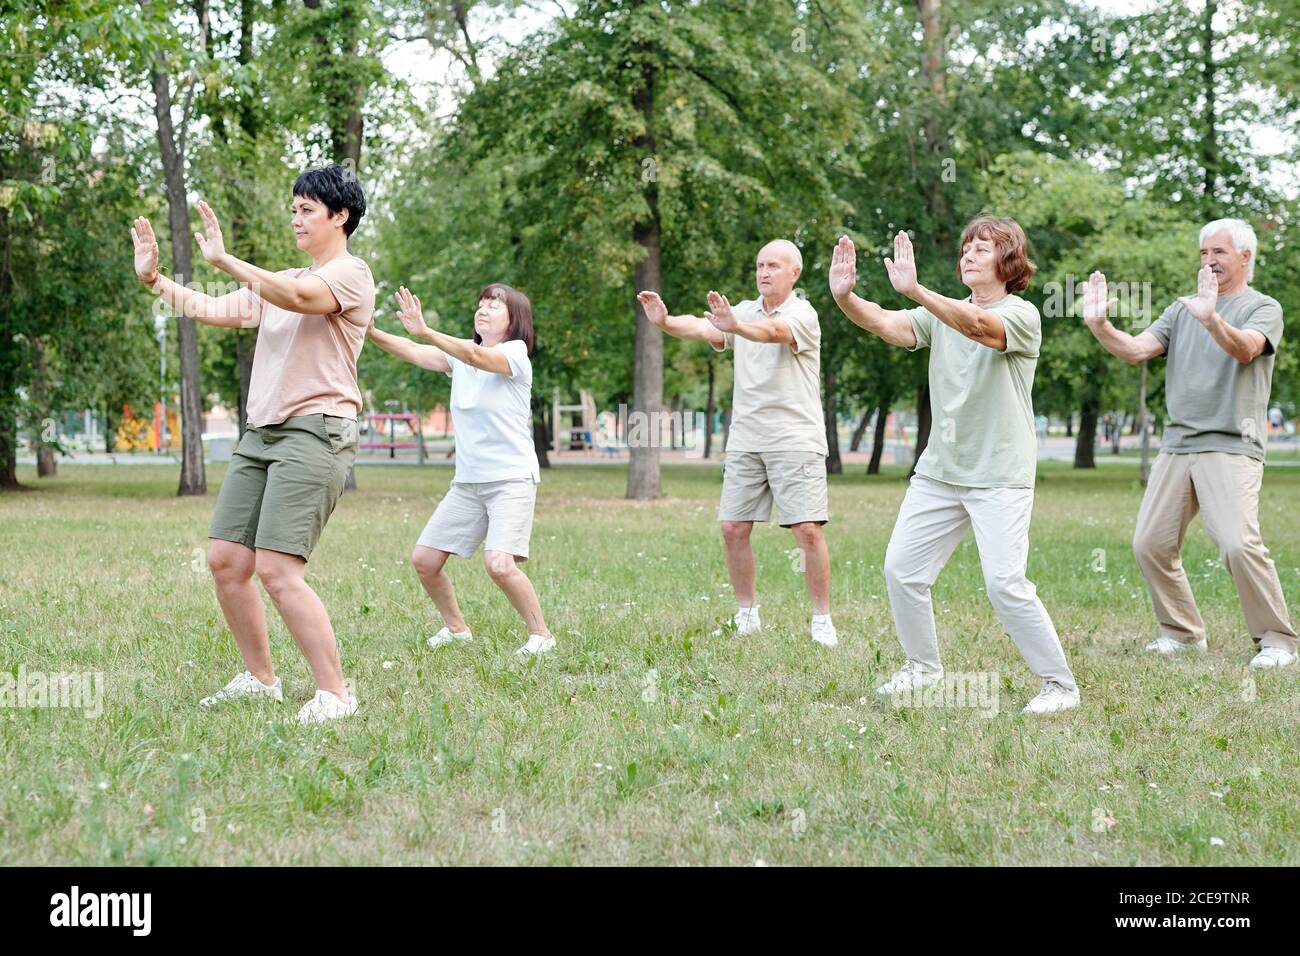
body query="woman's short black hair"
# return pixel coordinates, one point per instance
(338, 188)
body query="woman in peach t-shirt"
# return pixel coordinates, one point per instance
(288, 471)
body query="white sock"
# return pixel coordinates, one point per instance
(817, 618)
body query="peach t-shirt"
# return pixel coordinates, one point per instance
(306, 364)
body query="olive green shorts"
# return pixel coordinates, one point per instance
(283, 483)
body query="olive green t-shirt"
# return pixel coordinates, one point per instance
(982, 411)
(1214, 402)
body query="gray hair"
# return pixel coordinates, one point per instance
(1243, 238)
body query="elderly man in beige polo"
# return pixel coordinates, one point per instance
(776, 446)
(978, 469)
(1220, 345)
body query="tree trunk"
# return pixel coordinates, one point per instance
(1085, 444)
(46, 464)
(9, 364)
(193, 478)
(110, 434)
(541, 434)
(245, 350)
(834, 464)
(860, 431)
(643, 478)
(1209, 148)
(878, 441)
(1144, 470)
(922, 424)
(708, 412)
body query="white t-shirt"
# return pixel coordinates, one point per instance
(493, 417)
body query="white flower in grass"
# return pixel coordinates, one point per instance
(388, 665)
(1216, 841)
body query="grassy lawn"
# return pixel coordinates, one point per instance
(644, 739)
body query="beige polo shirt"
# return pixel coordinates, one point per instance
(776, 404)
(306, 364)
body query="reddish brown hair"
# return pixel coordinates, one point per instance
(518, 308)
(1012, 248)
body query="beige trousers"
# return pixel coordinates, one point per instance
(1225, 489)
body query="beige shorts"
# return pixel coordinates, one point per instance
(794, 480)
(500, 512)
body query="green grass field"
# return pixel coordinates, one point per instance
(732, 751)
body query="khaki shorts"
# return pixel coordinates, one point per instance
(283, 483)
(794, 480)
(499, 511)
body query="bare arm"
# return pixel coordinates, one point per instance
(978, 325)
(425, 356)
(724, 320)
(232, 311)
(1245, 345)
(309, 295)
(463, 350)
(680, 326)
(1133, 349)
(893, 327)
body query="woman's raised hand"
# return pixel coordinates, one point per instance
(409, 312)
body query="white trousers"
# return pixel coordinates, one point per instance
(931, 523)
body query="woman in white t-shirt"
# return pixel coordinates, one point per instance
(495, 486)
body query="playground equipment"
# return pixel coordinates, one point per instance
(571, 436)
(412, 422)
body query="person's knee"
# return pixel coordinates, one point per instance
(277, 574)
(428, 562)
(1236, 550)
(1151, 549)
(735, 533)
(807, 535)
(500, 566)
(230, 562)
(1008, 590)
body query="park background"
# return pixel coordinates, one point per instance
(581, 151)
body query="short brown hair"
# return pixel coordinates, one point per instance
(518, 308)
(1013, 266)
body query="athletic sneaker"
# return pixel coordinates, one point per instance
(744, 622)
(1165, 646)
(448, 636)
(245, 686)
(325, 706)
(1273, 657)
(1052, 699)
(536, 646)
(823, 631)
(911, 676)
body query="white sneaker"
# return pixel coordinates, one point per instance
(745, 621)
(448, 636)
(1273, 657)
(326, 706)
(536, 646)
(1165, 646)
(1052, 699)
(823, 631)
(245, 686)
(911, 676)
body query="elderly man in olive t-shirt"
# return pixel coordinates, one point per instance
(776, 446)
(1220, 345)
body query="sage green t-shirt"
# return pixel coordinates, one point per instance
(982, 411)
(1214, 402)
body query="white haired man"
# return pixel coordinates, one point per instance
(1220, 344)
(776, 446)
